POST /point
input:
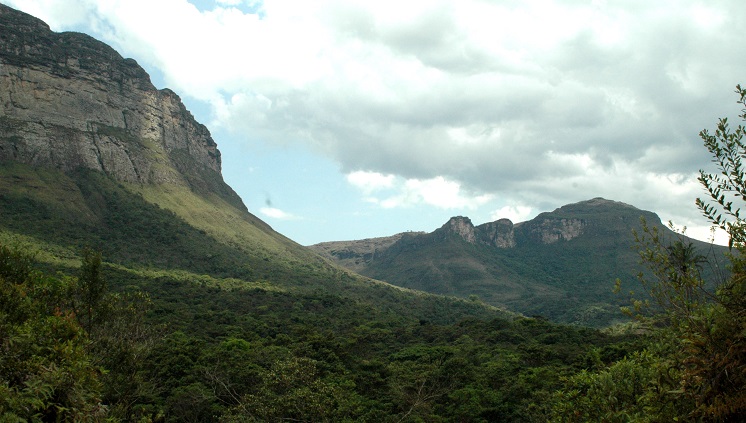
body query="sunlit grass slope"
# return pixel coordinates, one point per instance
(149, 234)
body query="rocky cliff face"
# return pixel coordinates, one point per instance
(549, 231)
(500, 234)
(68, 101)
(460, 227)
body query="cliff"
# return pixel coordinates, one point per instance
(93, 155)
(68, 101)
(561, 264)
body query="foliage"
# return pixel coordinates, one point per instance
(69, 349)
(636, 388)
(729, 185)
(46, 370)
(249, 353)
(696, 369)
(565, 281)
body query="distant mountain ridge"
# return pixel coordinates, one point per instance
(93, 155)
(563, 224)
(561, 264)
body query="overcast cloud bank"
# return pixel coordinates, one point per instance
(518, 106)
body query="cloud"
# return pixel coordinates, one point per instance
(369, 182)
(59, 15)
(515, 213)
(437, 192)
(229, 2)
(276, 213)
(536, 103)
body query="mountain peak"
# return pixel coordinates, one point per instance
(595, 205)
(460, 226)
(69, 101)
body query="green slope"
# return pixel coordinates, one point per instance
(184, 234)
(201, 312)
(569, 280)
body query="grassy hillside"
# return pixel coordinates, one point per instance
(182, 232)
(569, 280)
(229, 305)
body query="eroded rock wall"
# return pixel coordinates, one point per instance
(70, 101)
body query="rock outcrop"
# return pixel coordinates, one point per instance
(68, 101)
(549, 231)
(460, 227)
(498, 234)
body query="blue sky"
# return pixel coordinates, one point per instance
(354, 119)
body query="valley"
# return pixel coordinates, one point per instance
(135, 285)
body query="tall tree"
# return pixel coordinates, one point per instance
(91, 285)
(695, 366)
(706, 322)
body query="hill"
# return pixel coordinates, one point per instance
(561, 265)
(93, 154)
(195, 309)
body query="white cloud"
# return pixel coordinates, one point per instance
(275, 213)
(536, 103)
(59, 15)
(516, 213)
(369, 182)
(437, 192)
(703, 233)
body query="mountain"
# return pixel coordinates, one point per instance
(561, 265)
(93, 155)
(196, 310)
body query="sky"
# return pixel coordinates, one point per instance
(351, 119)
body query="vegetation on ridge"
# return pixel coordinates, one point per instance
(559, 265)
(165, 303)
(148, 343)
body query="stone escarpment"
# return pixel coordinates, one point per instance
(549, 231)
(68, 101)
(460, 227)
(502, 233)
(586, 218)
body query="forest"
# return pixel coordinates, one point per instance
(87, 338)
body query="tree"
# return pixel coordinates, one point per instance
(46, 370)
(706, 326)
(91, 286)
(729, 185)
(716, 361)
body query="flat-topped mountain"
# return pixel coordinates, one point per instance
(86, 140)
(561, 264)
(92, 155)
(69, 101)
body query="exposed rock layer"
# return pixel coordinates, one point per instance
(69, 101)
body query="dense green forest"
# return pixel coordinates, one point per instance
(157, 321)
(162, 299)
(106, 342)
